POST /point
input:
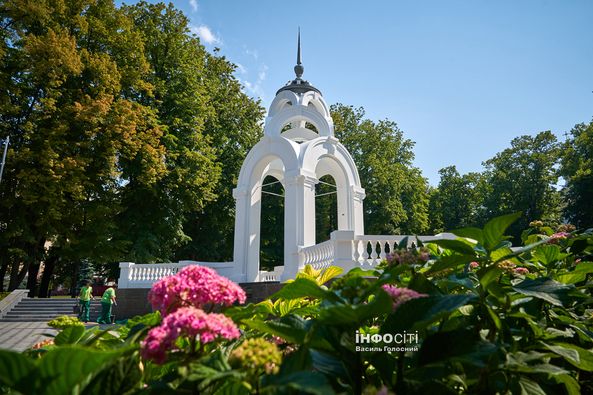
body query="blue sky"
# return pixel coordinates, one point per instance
(461, 78)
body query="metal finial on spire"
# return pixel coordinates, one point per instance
(299, 69)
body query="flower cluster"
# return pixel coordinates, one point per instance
(194, 286)
(181, 299)
(401, 295)
(566, 228)
(558, 236)
(43, 343)
(474, 265)
(507, 266)
(536, 224)
(409, 257)
(257, 355)
(521, 270)
(186, 321)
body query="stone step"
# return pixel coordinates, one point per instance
(27, 319)
(49, 308)
(54, 313)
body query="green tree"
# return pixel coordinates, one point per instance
(152, 218)
(233, 127)
(577, 170)
(524, 178)
(396, 193)
(63, 70)
(457, 201)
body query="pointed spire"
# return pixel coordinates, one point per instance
(299, 69)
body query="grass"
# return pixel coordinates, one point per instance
(3, 295)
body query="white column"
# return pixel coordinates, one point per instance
(241, 242)
(124, 274)
(357, 195)
(299, 220)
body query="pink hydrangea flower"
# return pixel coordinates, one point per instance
(521, 270)
(558, 236)
(401, 295)
(190, 322)
(196, 286)
(474, 265)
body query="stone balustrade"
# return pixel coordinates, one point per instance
(134, 275)
(274, 275)
(343, 249)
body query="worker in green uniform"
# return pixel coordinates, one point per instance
(107, 301)
(84, 299)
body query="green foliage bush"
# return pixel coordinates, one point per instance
(478, 316)
(64, 321)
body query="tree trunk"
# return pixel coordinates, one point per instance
(3, 270)
(16, 275)
(74, 279)
(32, 279)
(48, 272)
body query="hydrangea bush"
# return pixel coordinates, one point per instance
(471, 315)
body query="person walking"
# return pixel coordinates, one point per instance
(107, 301)
(84, 299)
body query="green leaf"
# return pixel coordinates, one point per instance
(356, 313)
(450, 262)
(14, 369)
(488, 274)
(418, 313)
(303, 288)
(470, 233)
(304, 382)
(121, 376)
(578, 275)
(460, 246)
(572, 386)
(329, 273)
(546, 253)
(500, 254)
(529, 387)
(575, 355)
(546, 289)
(291, 328)
(468, 348)
(494, 317)
(69, 335)
(68, 369)
(495, 228)
(403, 243)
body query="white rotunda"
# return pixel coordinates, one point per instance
(298, 148)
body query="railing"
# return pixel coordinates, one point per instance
(369, 250)
(319, 256)
(11, 300)
(274, 275)
(144, 275)
(344, 249)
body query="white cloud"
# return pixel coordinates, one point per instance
(194, 5)
(255, 88)
(240, 68)
(205, 34)
(252, 53)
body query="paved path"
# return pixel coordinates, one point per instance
(18, 336)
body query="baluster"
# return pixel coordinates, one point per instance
(374, 253)
(365, 252)
(357, 254)
(382, 252)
